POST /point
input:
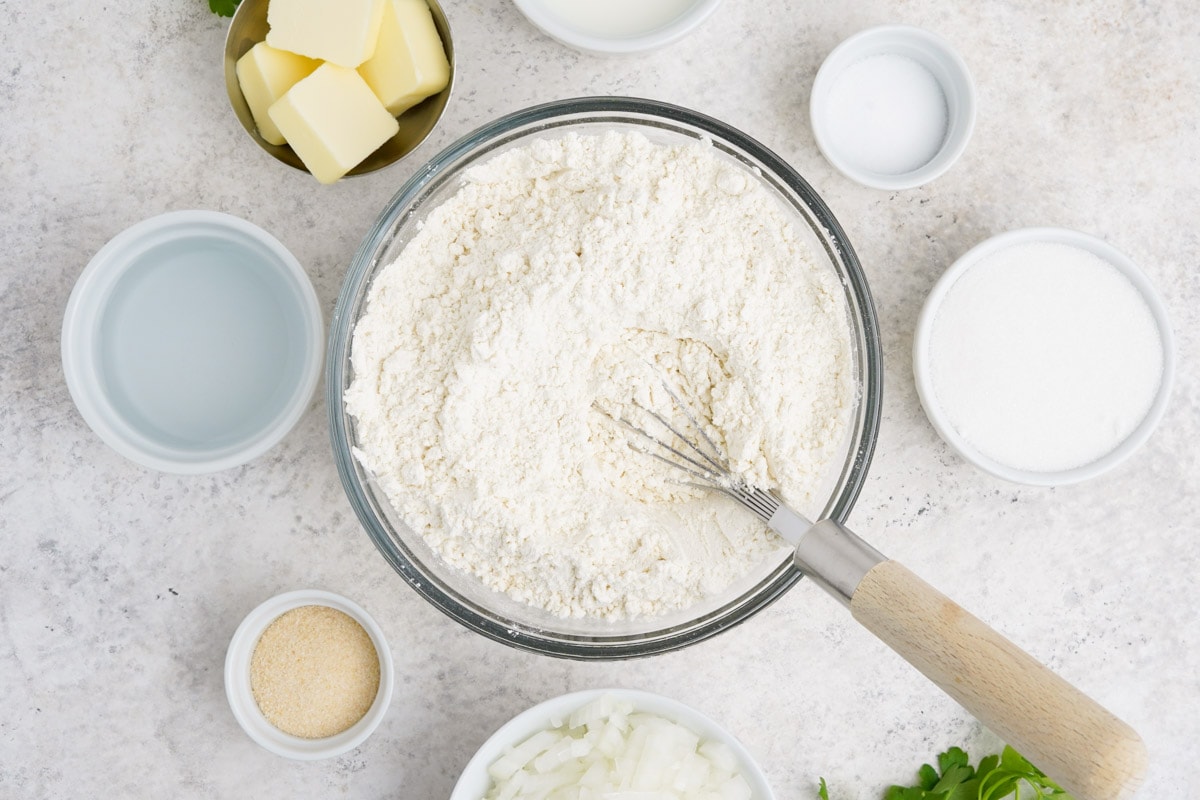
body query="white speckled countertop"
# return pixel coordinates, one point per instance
(120, 587)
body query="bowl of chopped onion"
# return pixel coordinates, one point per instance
(612, 743)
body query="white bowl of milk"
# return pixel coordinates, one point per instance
(617, 26)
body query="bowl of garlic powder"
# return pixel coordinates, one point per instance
(308, 675)
(551, 261)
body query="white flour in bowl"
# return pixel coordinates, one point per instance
(545, 284)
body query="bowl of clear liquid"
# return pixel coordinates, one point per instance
(192, 342)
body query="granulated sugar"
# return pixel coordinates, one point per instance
(546, 283)
(314, 672)
(1045, 357)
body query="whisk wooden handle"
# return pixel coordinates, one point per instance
(1074, 740)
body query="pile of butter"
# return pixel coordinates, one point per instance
(333, 75)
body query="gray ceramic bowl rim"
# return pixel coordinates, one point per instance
(407, 202)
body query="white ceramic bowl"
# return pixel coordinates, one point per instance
(241, 698)
(474, 782)
(865, 120)
(613, 27)
(923, 340)
(192, 342)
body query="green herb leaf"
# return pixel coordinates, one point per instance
(998, 784)
(928, 777)
(823, 791)
(967, 790)
(223, 8)
(954, 776)
(954, 757)
(998, 777)
(1015, 762)
(910, 793)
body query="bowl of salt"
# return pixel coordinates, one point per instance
(893, 107)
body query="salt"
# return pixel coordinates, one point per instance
(887, 114)
(1045, 357)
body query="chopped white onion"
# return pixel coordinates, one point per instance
(607, 751)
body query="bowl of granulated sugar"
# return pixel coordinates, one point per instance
(309, 675)
(1044, 356)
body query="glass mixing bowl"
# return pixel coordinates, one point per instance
(461, 595)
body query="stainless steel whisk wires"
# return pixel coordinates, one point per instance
(696, 454)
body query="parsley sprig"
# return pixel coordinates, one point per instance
(223, 8)
(997, 777)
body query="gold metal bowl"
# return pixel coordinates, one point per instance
(248, 27)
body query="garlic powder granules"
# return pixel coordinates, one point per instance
(314, 672)
(548, 282)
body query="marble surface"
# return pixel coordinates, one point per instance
(120, 586)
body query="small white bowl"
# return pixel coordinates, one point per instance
(611, 27)
(475, 781)
(192, 342)
(923, 339)
(893, 107)
(241, 698)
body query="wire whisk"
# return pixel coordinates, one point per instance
(693, 452)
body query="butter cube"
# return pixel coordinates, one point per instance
(264, 74)
(343, 32)
(409, 63)
(333, 121)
